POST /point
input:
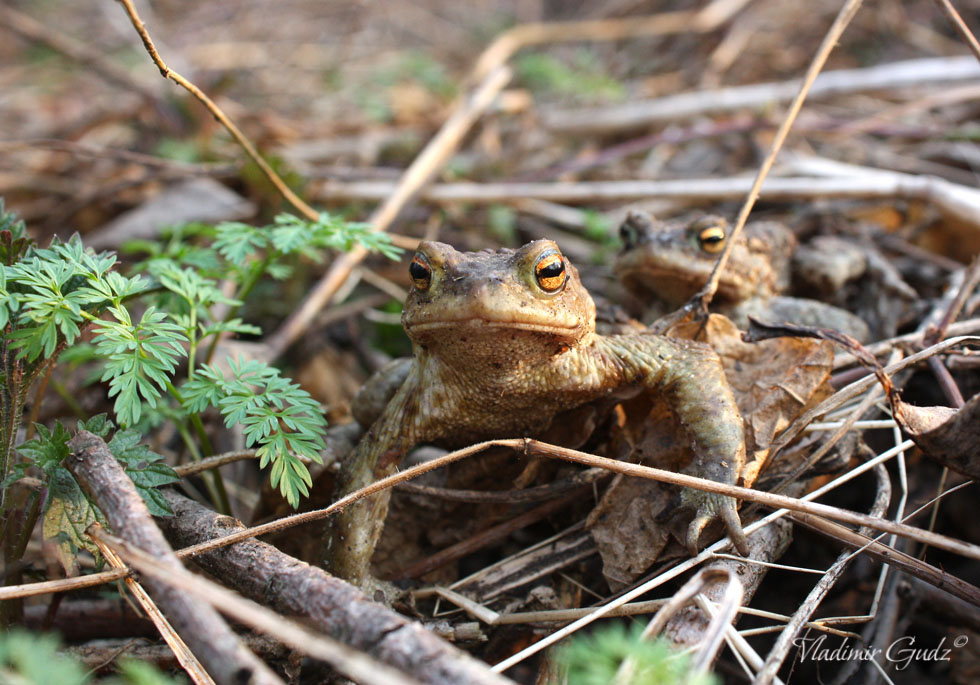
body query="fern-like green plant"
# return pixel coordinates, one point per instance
(32, 659)
(167, 314)
(595, 659)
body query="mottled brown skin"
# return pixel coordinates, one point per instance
(497, 355)
(671, 261)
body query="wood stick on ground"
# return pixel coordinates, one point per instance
(218, 114)
(185, 657)
(294, 588)
(958, 201)
(205, 632)
(644, 113)
(350, 663)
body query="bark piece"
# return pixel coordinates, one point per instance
(206, 633)
(294, 588)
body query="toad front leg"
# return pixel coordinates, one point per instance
(692, 378)
(355, 531)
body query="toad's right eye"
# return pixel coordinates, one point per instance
(712, 239)
(420, 271)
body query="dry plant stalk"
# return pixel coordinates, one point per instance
(965, 33)
(345, 660)
(185, 656)
(847, 12)
(218, 114)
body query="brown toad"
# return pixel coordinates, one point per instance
(671, 261)
(503, 342)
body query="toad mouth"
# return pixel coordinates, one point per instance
(553, 329)
(648, 276)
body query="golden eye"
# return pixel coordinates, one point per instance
(420, 271)
(550, 272)
(712, 239)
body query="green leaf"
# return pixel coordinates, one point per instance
(140, 359)
(99, 425)
(236, 241)
(276, 415)
(135, 672)
(67, 514)
(145, 468)
(31, 658)
(594, 659)
(49, 449)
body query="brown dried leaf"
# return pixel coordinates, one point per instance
(773, 381)
(945, 434)
(626, 530)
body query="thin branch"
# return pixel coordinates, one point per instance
(965, 33)
(823, 52)
(218, 114)
(347, 661)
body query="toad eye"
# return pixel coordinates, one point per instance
(712, 239)
(550, 272)
(420, 271)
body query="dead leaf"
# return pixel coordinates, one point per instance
(625, 528)
(773, 381)
(947, 435)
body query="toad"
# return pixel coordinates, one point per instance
(504, 341)
(671, 261)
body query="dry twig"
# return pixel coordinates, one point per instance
(185, 657)
(834, 33)
(218, 114)
(218, 648)
(344, 659)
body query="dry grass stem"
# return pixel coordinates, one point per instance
(218, 114)
(185, 656)
(965, 33)
(344, 659)
(638, 114)
(847, 13)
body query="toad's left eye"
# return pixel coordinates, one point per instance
(420, 271)
(712, 239)
(550, 272)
